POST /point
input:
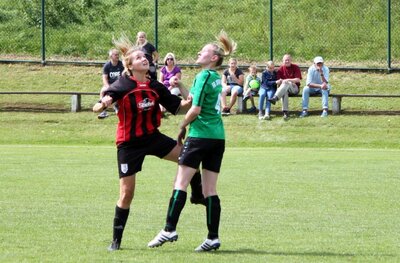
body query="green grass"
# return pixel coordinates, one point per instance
(363, 124)
(305, 190)
(344, 131)
(279, 205)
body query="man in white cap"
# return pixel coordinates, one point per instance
(317, 83)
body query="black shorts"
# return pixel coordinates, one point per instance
(131, 154)
(208, 152)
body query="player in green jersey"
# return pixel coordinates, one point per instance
(205, 145)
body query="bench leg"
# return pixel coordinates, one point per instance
(240, 103)
(336, 105)
(76, 103)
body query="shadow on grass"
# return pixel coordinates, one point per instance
(288, 253)
(41, 109)
(255, 252)
(36, 109)
(375, 113)
(294, 114)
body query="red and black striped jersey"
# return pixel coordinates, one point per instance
(139, 106)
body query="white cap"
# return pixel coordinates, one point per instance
(318, 60)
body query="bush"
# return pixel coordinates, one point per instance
(61, 13)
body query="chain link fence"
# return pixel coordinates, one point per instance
(348, 34)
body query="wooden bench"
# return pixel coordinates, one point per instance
(75, 96)
(336, 100)
(242, 105)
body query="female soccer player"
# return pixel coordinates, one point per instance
(139, 114)
(205, 144)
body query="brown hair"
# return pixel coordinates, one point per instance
(224, 47)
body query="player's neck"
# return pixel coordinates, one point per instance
(209, 66)
(140, 77)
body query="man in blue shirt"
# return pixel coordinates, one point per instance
(317, 83)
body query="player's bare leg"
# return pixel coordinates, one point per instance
(127, 190)
(213, 210)
(197, 196)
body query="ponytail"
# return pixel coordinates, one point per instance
(224, 47)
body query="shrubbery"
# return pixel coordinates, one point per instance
(61, 13)
(343, 32)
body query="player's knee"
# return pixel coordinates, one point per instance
(127, 197)
(209, 190)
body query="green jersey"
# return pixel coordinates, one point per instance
(206, 93)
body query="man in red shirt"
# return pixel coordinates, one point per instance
(289, 76)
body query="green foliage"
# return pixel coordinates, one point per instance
(62, 13)
(5, 15)
(59, 13)
(344, 31)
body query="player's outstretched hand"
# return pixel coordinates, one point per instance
(181, 136)
(187, 103)
(99, 107)
(174, 81)
(102, 104)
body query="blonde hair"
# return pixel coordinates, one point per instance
(137, 38)
(224, 47)
(233, 60)
(270, 63)
(112, 51)
(169, 55)
(126, 48)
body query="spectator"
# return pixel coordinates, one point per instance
(111, 72)
(232, 83)
(290, 75)
(169, 70)
(251, 87)
(150, 51)
(317, 82)
(269, 83)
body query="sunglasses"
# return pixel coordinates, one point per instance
(170, 59)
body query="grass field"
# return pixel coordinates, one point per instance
(304, 190)
(279, 205)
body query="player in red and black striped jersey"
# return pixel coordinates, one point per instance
(139, 114)
(139, 100)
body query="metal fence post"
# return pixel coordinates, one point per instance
(271, 35)
(43, 34)
(156, 24)
(389, 47)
